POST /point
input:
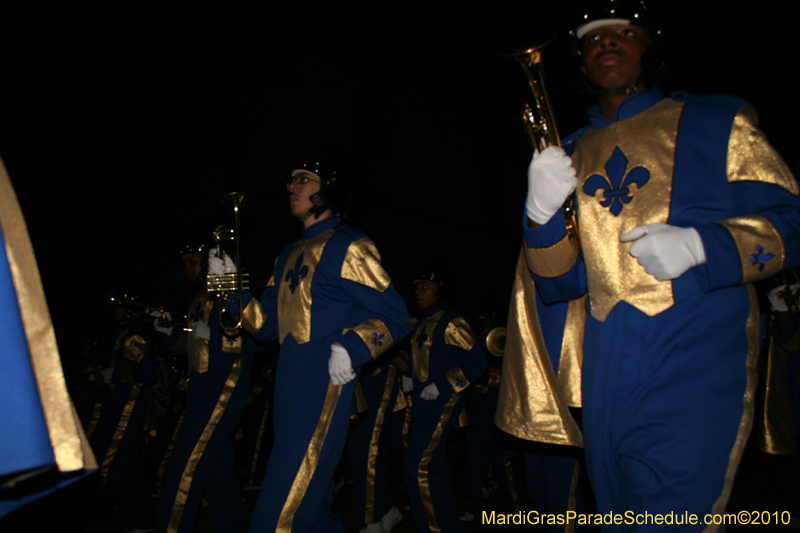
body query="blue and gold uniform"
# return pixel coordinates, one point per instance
(444, 352)
(327, 287)
(115, 439)
(668, 371)
(202, 460)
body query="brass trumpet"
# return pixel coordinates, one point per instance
(538, 122)
(220, 284)
(134, 310)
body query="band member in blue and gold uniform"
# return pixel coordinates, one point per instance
(681, 205)
(115, 440)
(333, 308)
(445, 360)
(202, 460)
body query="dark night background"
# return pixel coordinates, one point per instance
(123, 123)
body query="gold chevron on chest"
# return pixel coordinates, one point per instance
(421, 344)
(294, 293)
(625, 174)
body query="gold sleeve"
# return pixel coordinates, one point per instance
(457, 379)
(751, 158)
(760, 246)
(362, 264)
(459, 334)
(375, 335)
(554, 260)
(254, 316)
(135, 348)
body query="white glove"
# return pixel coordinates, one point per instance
(201, 331)
(776, 302)
(408, 384)
(107, 373)
(666, 251)
(157, 325)
(431, 392)
(551, 179)
(340, 367)
(217, 266)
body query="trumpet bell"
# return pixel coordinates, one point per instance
(496, 341)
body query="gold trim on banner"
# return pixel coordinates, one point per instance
(755, 236)
(122, 425)
(66, 435)
(309, 464)
(531, 404)
(553, 261)
(746, 422)
(422, 471)
(197, 453)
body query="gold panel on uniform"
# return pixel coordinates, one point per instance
(294, 292)
(459, 334)
(362, 264)
(375, 335)
(232, 344)
(135, 348)
(197, 349)
(254, 316)
(571, 360)
(420, 355)
(640, 190)
(554, 260)
(531, 405)
(760, 246)
(751, 158)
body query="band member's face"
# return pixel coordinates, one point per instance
(425, 293)
(192, 267)
(612, 55)
(301, 188)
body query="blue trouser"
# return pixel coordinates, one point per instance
(427, 474)
(202, 460)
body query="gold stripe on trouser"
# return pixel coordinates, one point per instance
(572, 502)
(747, 415)
(124, 418)
(369, 507)
(199, 448)
(251, 480)
(310, 461)
(510, 480)
(163, 466)
(98, 408)
(422, 474)
(407, 424)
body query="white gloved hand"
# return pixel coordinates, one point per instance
(431, 392)
(408, 384)
(201, 331)
(166, 330)
(107, 373)
(776, 302)
(666, 251)
(551, 179)
(340, 367)
(217, 266)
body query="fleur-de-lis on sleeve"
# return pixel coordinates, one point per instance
(759, 257)
(377, 339)
(296, 274)
(616, 185)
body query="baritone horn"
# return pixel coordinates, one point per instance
(219, 285)
(538, 122)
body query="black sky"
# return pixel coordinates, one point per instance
(123, 124)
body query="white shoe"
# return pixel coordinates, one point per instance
(391, 519)
(467, 517)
